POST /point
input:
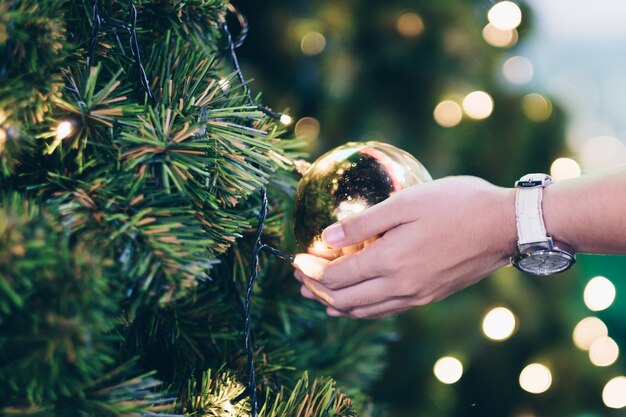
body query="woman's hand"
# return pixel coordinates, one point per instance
(435, 239)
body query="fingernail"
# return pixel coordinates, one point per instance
(333, 234)
(333, 313)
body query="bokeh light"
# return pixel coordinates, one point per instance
(603, 351)
(587, 331)
(599, 294)
(478, 105)
(535, 378)
(410, 25)
(448, 113)
(518, 70)
(536, 107)
(307, 128)
(564, 168)
(64, 129)
(499, 324)
(505, 15)
(448, 369)
(498, 37)
(614, 393)
(602, 152)
(312, 43)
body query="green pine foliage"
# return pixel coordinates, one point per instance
(125, 239)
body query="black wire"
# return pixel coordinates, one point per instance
(258, 245)
(131, 28)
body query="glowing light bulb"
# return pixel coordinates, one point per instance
(410, 25)
(478, 105)
(587, 331)
(64, 129)
(448, 113)
(310, 265)
(224, 84)
(499, 324)
(599, 294)
(564, 168)
(312, 43)
(603, 352)
(614, 393)
(448, 369)
(285, 119)
(535, 378)
(505, 15)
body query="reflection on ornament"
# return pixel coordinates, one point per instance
(345, 181)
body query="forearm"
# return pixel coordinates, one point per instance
(588, 213)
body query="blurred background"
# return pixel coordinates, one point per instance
(494, 89)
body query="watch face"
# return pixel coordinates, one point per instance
(545, 262)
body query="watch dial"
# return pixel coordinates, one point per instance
(545, 263)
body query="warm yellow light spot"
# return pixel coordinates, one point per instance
(505, 15)
(64, 129)
(603, 352)
(312, 43)
(410, 25)
(599, 294)
(498, 37)
(499, 324)
(518, 70)
(448, 113)
(224, 84)
(3, 138)
(310, 265)
(478, 105)
(614, 393)
(536, 107)
(307, 128)
(587, 331)
(448, 369)
(564, 168)
(285, 119)
(535, 378)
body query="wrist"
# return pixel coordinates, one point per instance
(507, 225)
(556, 211)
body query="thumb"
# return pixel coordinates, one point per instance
(368, 223)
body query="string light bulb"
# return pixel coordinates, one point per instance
(285, 119)
(64, 129)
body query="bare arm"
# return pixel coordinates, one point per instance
(443, 236)
(589, 212)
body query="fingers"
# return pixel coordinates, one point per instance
(349, 270)
(368, 223)
(366, 293)
(376, 311)
(311, 266)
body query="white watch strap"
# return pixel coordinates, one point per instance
(530, 226)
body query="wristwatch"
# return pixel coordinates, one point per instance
(536, 253)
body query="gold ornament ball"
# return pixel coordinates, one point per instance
(347, 180)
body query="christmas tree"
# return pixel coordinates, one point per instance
(141, 186)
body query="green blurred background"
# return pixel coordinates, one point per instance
(404, 72)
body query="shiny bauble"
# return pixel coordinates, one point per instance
(347, 180)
